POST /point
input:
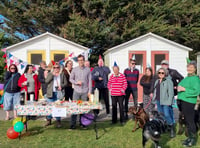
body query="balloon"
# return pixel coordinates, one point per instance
(1, 92)
(1, 105)
(12, 134)
(1, 86)
(18, 119)
(19, 126)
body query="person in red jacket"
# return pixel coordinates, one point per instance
(117, 85)
(30, 83)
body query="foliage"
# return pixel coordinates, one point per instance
(4, 41)
(102, 24)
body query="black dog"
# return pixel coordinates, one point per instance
(154, 128)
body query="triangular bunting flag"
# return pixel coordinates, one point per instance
(22, 66)
(71, 55)
(5, 55)
(4, 49)
(66, 59)
(6, 67)
(11, 61)
(10, 55)
(75, 59)
(20, 61)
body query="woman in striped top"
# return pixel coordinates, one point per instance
(117, 85)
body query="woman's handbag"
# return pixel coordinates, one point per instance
(60, 94)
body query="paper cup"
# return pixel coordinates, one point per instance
(31, 97)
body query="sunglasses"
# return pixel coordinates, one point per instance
(133, 63)
(161, 73)
(56, 67)
(12, 68)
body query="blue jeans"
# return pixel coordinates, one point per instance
(53, 99)
(10, 100)
(167, 110)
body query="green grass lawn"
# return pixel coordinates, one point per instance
(110, 136)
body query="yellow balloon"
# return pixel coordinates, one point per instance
(1, 92)
(18, 119)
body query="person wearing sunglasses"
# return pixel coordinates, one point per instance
(56, 82)
(132, 76)
(12, 90)
(188, 91)
(163, 97)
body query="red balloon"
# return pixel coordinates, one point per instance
(12, 134)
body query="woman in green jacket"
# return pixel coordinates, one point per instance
(188, 90)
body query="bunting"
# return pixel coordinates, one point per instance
(11, 59)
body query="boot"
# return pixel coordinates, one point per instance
(192, 141)
(48, 122)
(58, 124)
(172, 131)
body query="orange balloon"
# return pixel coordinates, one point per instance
(1, 92)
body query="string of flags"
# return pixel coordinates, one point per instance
(11, 59)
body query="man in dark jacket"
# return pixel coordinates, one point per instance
(175, 75)
(41, 77)
(100, 76)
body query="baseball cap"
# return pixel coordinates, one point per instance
(165, 62)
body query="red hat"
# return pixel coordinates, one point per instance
(100, 57)
(52, 62)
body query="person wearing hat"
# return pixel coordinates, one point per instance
(175, 75)
(188, 91)
(117, 85)
(100, 76)
(132, 76)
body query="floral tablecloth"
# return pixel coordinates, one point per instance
(41, 110)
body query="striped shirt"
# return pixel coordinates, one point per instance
(117, 85)
(132, 78)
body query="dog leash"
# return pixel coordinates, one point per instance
(148, 103)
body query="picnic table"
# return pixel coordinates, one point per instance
(49, 108)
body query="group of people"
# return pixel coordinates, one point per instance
(77, 83)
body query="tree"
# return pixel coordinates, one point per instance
(102, 24)
(4, 41)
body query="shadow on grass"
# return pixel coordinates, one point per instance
(36, 130)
